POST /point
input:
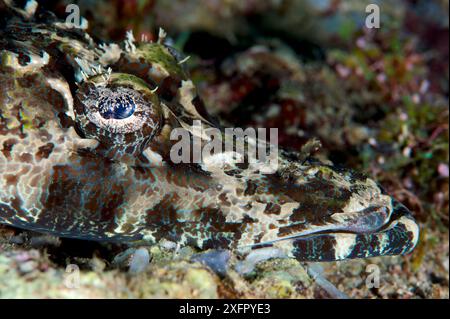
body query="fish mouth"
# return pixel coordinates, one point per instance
(369, 220)
(373, 223)
(372, 220)
(397, 236)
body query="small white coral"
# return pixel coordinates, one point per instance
(129, 42)
(161, 35)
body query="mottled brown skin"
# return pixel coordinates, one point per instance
(66, 170)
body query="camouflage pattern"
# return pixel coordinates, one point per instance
(85, 153)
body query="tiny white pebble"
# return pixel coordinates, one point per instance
(372, 141)
(407, 151)
(403, 116)
(139, 261)
(443, 170)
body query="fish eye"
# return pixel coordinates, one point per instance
(119, 106)
(118, 109)
(121, 112)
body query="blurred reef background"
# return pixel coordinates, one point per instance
(377, 99)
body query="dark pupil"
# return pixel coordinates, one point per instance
(116, 107)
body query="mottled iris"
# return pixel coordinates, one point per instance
(116, 107)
